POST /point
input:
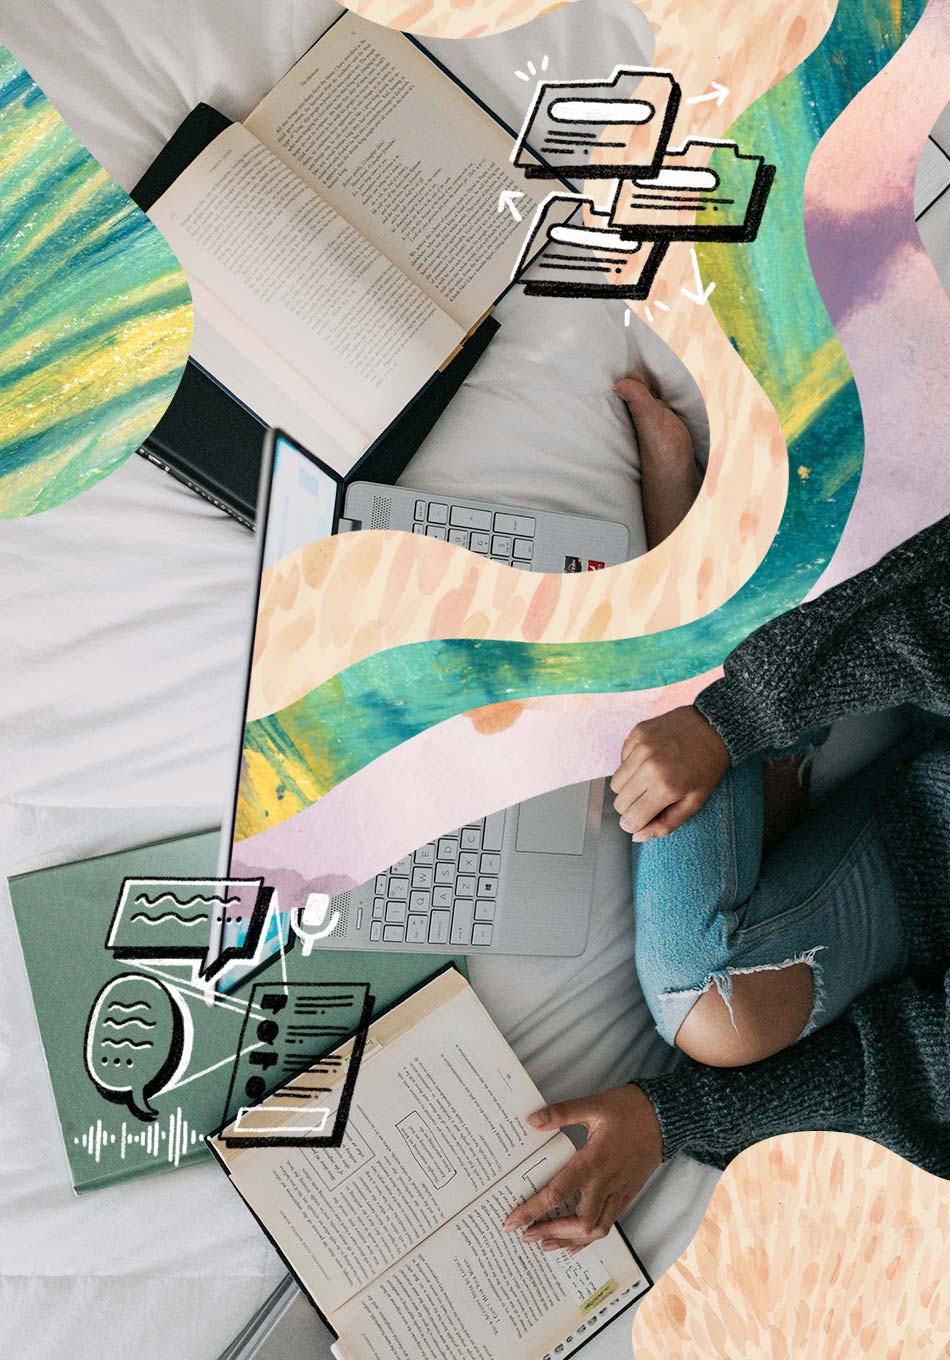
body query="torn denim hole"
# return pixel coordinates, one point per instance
(721, 979)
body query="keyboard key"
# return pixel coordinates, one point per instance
(461, 518)
(459, 537)
(392, 934)
(422, 876)
(484, 911)
(481, 934)
(402, 866)
(381, 885)
(379, 908)
(395, 913)
(471, 838)
(419, 901)
(359, 918)
(488, 887)
(514, 524)
(439, 925)
(448, 849)
(438, 513)
(491, 864)
(494, 832)
(398, 889)
(376, 931)
(480, 543)
(420, 511)
(524, 549)
(500, 546)
(443, 897)
(445, 872)
(462, 921)
(468, 861)
(465, 887)
(425, 854)
(435, 531)
(418, 528)
(416, 928)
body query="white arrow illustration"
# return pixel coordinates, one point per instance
(718, 92)
(701, 294)
(506, 200)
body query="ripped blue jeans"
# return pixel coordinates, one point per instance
(709, 906)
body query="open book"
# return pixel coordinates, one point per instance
(396, 1236)
(344, 239)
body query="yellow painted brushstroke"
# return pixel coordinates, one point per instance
(144, 349)
(828, 373)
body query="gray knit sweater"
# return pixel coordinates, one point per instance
(883, 1069)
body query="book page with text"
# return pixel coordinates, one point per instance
(404, 154)
(436, 1118)
(474, 1292)
(303, 281)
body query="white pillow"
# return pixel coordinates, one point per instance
(537, 422)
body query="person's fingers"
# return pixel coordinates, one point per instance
(613, 1208)
(632, 763)
(643, 810)
(565, 1184)
(671, 819)
(564, 1114)
(561, 1231)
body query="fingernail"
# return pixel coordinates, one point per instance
(508, 1225)
(538, 1119)
(624, 824)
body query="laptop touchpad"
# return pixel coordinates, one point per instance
(554, 823)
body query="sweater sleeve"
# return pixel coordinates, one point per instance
(873, 642)
(882, 1071)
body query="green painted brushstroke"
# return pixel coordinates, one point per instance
(95, 311)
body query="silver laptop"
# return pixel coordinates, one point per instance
(515, 882)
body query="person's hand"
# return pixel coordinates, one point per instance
(624, 1147)
(669, 767)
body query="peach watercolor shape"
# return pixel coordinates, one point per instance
(405, 589)
(814, 1246)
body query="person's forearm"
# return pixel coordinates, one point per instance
(876, 641)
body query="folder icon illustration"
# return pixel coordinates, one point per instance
(598, 129)
(704, 191)
(584, 255)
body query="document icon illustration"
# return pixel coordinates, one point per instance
(583, 254)
(288, 1085)
(599, 129)
(704, 191)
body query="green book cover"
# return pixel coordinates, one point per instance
(141, 1053)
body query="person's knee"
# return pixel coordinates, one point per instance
(770, 1008)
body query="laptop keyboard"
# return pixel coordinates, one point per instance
(445, 892)
(502, 536)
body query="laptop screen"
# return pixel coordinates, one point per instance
(300, 503)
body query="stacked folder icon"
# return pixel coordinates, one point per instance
(704, 190)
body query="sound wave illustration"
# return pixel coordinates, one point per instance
(296, 754)
(169, 1142)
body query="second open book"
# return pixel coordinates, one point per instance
(342, 241)
(396, 1235)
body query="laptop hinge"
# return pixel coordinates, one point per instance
(348, 526)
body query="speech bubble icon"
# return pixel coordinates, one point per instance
(138, 1040)
(211, 922)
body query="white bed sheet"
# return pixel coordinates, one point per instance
(123, 630)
